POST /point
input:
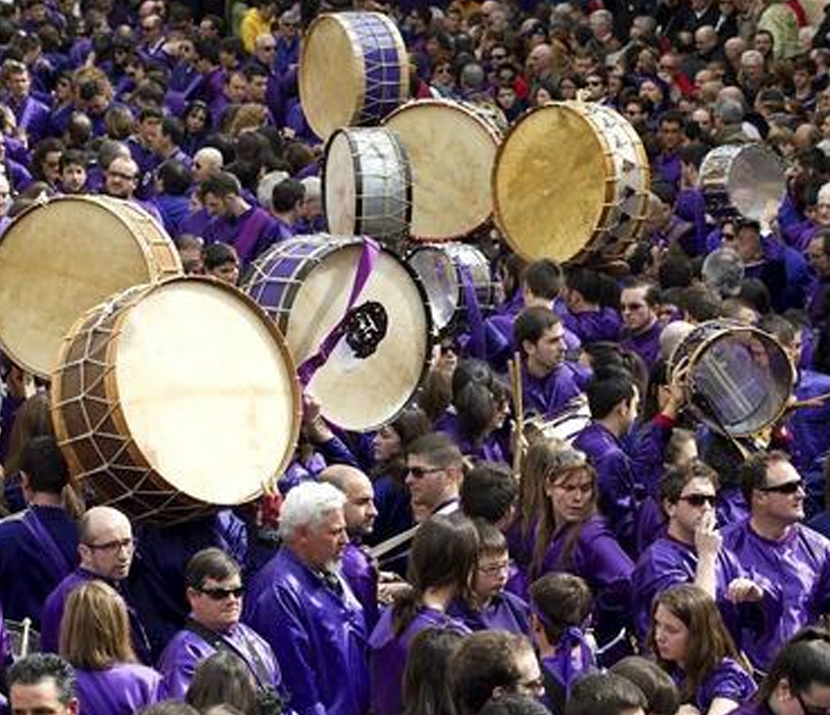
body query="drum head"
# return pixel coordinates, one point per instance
(61, 258)
(207, 390)
(339, 185)
(440, 280)
(362, 393)
(549, 183)
(451, 147)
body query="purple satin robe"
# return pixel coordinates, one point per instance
(727, 680)
(388, 655)
(123, 689)
(359, 572)
(645, 344)
(550, 394)
(505, 612)
(591, 326)
(318, 633)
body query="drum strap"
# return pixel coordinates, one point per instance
(366, 264)
(477, 346)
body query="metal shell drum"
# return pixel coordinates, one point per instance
(62, 257)
(571, 182)
(448, 271)
(367, 185)
(304, 285)
(738, 378)
(743, 179)
(354, 70)
(173, 398)
(451, 147)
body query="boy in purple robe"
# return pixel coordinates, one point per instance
(38, 547)
(788, 563)
(214, 591)
(306, 611)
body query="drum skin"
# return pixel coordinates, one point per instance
(451, 147)
(304, 285)
(354, 70)
(570, 182)
(60, 258)
(174, 398)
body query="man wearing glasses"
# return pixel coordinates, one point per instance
(214, 591)
(788, 561)
(106, 548)
(434, 465)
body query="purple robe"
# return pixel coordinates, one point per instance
(727, 680)
(362, 576)
(646, 344)
(550, 394)
(592, 325)
(505, 612)
(793, 576)
(598, 558)
(810, 426)
(317, 631)
(38, 547)
(32, 117)
(250, 234)
(123, 689)
(184, 653)
(668, 562)
(388, 656)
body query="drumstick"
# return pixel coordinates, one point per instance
(385, 547)
(515, 370)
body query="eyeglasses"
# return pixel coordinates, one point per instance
(498, 57)
(785, 488)
(268, 48)
(632, 306)
(594, 82)
(494, 569)
(810, 709)
(699, 500)
(220, 594)
(122, 175)
(421, 472)
(113, 546)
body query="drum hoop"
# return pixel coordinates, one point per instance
(694, 356)
(112, 392)
(606, 159)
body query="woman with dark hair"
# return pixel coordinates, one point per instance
(691, 643)
(197, 124)
(442, 565)
(426, 687)
(571, 537)
(223, 678)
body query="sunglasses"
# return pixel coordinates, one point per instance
(420, 472)
(785, 488)
(699, 500)
(220, 594)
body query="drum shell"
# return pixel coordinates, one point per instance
(71, 269)
(570, 182)
(278, 283)
(450, 317)
(355, 61)
(91, 426)
(380, 190)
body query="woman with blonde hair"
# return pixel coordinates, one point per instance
(95, 639)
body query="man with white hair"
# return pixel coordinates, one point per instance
(306, 611)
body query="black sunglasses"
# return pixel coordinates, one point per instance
(699, 500)
(785, 488)
(220, 594)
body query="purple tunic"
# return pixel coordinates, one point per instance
(793, 575)
(810, 425)
(250, 234)
(668, 562)
(728, 680)
(645, 344)
(548, 395)
(505, 612)
(184, 653)
(388, 656)
(318, 633)
(592, 325)
(123, 689)
(362, 576)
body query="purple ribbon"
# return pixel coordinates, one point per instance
(366, 264)
(477, 345)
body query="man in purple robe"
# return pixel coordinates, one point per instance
(435, 470)
(214, 591)
(249, 229)
(789, 562)
(641, 328)
(585, 310)
(106, 547)
(691, 550)
(38, 547)
(308, 613)
(42, 683)
(360, 512)
(32, 116)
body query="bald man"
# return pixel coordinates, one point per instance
(360, 513)
(105, 547)
(206, 161)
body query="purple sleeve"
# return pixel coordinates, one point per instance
(691, 207)
(648, 454)
(728, 680)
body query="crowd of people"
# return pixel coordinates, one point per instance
(460, 559)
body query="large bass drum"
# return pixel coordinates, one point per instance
(60, 258)
(356, 312)
(571, 183)
(451, 146)
(174, 398)
(738, 378)
(354, 70)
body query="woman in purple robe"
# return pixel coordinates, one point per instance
(691, 643)
(442, 565)
(95, 639)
